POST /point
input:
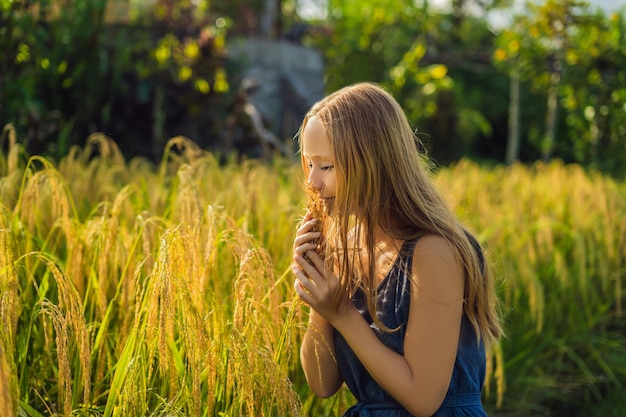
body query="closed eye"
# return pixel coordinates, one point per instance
(324, 168)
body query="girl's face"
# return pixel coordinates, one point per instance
(318, 155)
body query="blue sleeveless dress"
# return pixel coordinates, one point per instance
(464, 394)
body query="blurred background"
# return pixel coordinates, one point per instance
(492, 80)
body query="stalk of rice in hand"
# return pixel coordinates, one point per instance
(318, 211)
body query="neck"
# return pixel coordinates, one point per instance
(385, 242)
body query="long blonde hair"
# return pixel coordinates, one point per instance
(382, 181)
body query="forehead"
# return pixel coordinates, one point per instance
(315, 142)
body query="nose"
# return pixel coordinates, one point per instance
(314, 180)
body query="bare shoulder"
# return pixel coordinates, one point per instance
(433, 245)
(436, 270)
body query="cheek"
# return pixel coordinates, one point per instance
(331, 184)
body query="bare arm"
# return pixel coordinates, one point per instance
(317, 352)
(317, 356)
(419, 379)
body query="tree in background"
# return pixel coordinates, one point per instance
(66, 72)
(383, 41)
(185, 74)
(594, 96)
(50, 57)
(431, 61)
(575, 59)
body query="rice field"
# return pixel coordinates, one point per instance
(129, 288)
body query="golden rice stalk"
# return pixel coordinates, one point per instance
(495, 372)
(318, 211)
(188, 152)
(7, 404)
(14, 149)
(9, 311)
(9, 297)
(45, 199)
(61, 329)
(11, 167)
(68, 318)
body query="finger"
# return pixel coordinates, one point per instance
(312, 222)
(300, 239)
(303, 285)
(309, 238)
(316, 260)
(302, 279)
(304, 248)
(302, 293)
(307, 225)
(312, 275)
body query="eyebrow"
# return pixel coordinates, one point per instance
(317, 156)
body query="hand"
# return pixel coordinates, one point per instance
(306, 236)
(317, 286)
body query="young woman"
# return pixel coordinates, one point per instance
(402, 303)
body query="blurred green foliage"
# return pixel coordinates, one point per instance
(449, 70)
(386, 42)
(588, 52)
(66, 72)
